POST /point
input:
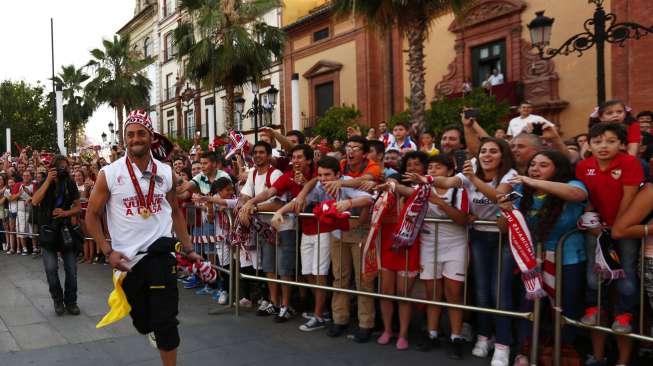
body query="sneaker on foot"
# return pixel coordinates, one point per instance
(456, 348)
(312, 324)
(285, 313)
(245, 303)
(591, 316)
(223, 299)
(384, 339)
(206, 290)
(59, 308)
(193, 283)
(482, 347)
(501, 356)
(269, 309)
(336, 330)
(362, 335)
(592, 361)
(521, 360)
(73, 309)
(402, 344)
(623, 323)
(427, 343)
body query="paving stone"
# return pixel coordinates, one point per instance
(33, 336)
(21, 315)
(7, 342)
(78, 329)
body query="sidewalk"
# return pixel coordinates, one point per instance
(31, 334)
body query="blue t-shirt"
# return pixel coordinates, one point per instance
(574, 248)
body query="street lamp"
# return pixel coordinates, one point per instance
(257, 111)
(104, 138)
(599, 29)
(112, 131)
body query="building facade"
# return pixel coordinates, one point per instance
(180, 107)
(341, 61)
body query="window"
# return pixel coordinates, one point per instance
(147, 47)
(168, 7)
(169, 92)
(170, 49)
(487, 57)
(321, 34)
(170, 122)
(190, 123)
(323, 98)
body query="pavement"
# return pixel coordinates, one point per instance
(32, 334)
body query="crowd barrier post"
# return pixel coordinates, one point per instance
(537, 310)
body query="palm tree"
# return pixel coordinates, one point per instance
(226, 44)
(119, 79)
(79, 106)
(413, 19)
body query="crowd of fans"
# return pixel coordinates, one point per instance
(596, 181)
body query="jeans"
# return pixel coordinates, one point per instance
(627, 287)
(573, 288)
(484, 263)
(51, 264)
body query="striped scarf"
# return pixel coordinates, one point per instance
(412, 217)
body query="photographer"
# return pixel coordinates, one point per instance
(58, 201)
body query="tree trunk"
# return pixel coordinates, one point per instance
(416, 34)
(229, 106)
(119, 108)
(73, 139)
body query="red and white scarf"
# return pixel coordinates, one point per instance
(523, 251)
(371, 258)
(412, 217)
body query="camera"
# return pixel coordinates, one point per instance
(471, 113)
(62, 172)
(538, 129)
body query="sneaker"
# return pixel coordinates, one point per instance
(223, 299)
(269, 309)
(622, 323)
(285, 313)
(362, 335)
(245, 303)
(59, 308)
(262, 305)
(336, 330)
(326, 316)
(591, 316)
(73, 309)
(312, 324)
(521, 360)
(482, 347)
(206, 290)
(456, 348)
(194, 283)
(501, 356)
(384, 339)
(24, 252)
(216, 295)
(402, 344)
(427, 343)
(187, 279)
(151, 339)
(591, 361)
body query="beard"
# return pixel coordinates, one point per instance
(139, 151)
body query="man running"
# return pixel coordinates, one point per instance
(139, 194)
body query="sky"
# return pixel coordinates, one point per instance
(79, 26)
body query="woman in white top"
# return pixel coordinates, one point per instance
(24, 211)
(11, 212)
(485, 177)
(4, 214)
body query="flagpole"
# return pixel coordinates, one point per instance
(54, 107)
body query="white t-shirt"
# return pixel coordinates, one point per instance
(131, 233)
(518, 123)
(255, 186)
(449, 235)
(495, 79)
(13, 205)
(479, 205)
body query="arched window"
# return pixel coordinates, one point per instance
(147, 44)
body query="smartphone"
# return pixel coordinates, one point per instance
(471, 113)
(538, 129)
(513, 196)
(459, 159)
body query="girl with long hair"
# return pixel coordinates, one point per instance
(552, 202)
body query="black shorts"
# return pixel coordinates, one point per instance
(151, 290)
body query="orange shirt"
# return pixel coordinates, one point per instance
(367, 167)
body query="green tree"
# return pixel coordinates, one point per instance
(119, 79)
(333, 125)
(413, 19)
(78, 106)
(226, 44)
(445, 111)
(25, 109)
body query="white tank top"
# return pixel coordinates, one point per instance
(131, 233)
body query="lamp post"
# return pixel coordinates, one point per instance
(599, 29)
(188, 96)
(257, 109)
(112, 132)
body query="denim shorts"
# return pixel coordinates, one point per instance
(284, 253)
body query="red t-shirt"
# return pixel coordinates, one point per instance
(606, 187)
(634, 133)
(286, 183)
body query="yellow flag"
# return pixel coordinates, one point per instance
(118, 305)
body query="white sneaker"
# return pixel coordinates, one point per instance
(263, 304)
(501, 356)
(223, 299)
(151, 339)
(482, 347)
